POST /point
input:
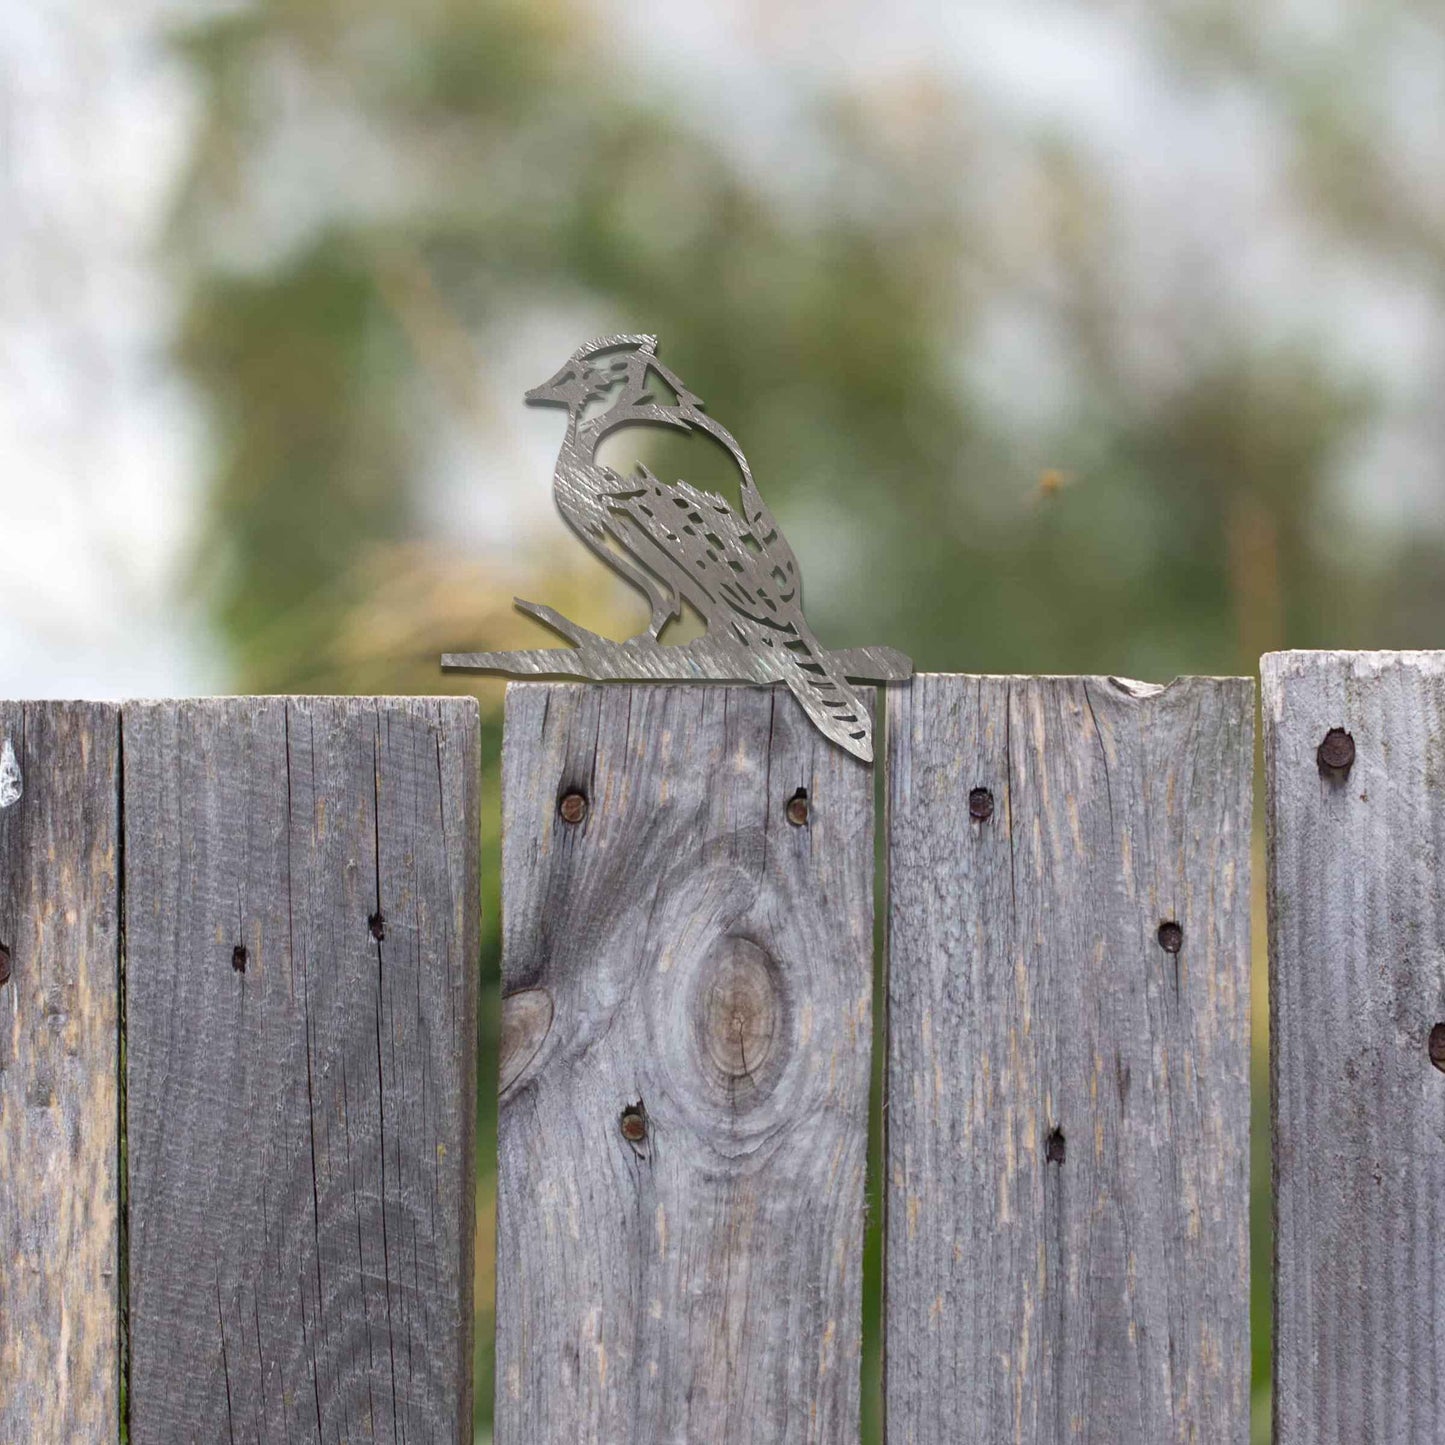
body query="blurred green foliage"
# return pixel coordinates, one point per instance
(376, 190)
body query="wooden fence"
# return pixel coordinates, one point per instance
(238, 1021)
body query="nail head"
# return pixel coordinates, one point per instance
(1171, 937)
(1337, 753)
(633, 1124)
(980, 805)
(4, 964)
(798, 808)
(239, 958)
(1056, 1147)
(573, 808)
(1437, 1047)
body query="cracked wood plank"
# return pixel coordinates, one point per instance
(1357, 989)
(59, 1074)
(1068, 1099)
(301, 939)
(683, 1127)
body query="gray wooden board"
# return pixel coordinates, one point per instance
(301, 1129)
(59, 1076)
(1357, 983)
(1068, 1103)
(688, 950)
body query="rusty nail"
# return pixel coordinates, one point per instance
(573, 807)
(1171, 937)
(633, 1124)
(1337, 752)
(4, 965)
(1437, 1047)
(239, 956)
(798, 808)
(377, 925)
(980, 805)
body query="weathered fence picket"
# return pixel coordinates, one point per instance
(1068, 1080)
(59, 1080)
(687, 915)
(1355, 769)
(301, 945)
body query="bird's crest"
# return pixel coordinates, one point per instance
(678, 544)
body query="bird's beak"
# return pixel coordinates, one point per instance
(560, 389)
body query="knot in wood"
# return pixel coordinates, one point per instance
(526, 1022)
(739, 1009)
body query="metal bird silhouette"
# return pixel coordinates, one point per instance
(676, 544)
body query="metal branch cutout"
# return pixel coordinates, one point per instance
(678, 544)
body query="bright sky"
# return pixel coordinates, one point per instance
(100, 448)
(97, 444)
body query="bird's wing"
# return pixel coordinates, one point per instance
(637, 405)
(747, 589)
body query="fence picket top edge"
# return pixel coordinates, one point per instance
(1236, 693)
(99, 704)
(1115, 679)
(122, 704)
(1279, 668)
(1379, 655)
(410, 702)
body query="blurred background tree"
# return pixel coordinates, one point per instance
(1065, 335)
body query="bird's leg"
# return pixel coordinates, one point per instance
(662, 613)
(661, 593)
(665, 606)
(664, 603)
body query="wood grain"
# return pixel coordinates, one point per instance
(1068, 1101)
(301, 925)
(1357, 984)
(59, 1076)
(686, 953)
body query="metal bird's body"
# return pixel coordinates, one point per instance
(677, 543)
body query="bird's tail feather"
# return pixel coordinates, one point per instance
(833, 703)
